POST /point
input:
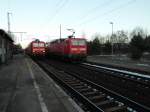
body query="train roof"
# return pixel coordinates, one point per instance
(37, 41)
(63, 39)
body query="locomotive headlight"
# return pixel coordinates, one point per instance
(82, 49)
(74, 49)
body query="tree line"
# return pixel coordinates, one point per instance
(134, 44)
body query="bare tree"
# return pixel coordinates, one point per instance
(119, 37)
(122, 36)
(139, 31)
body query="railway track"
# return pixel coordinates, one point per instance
(139, 75)
(142, 79)
(137, 82)
(93, 97)
(126, 86)
(139, 71)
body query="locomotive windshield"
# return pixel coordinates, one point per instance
(78, 42)
(35, 44)
(38, 44)
(41, 44)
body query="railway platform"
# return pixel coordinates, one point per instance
(121, 61)
(25, 87)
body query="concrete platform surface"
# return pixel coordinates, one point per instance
(25, 87)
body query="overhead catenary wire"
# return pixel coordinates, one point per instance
(58, 3)
(108, 12)
(97, 8)
(61, 5)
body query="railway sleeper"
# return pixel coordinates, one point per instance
(108, 104)
(80, 87)
(97, 98)
(85, 90)
(77, 84)
(72, 82)
(103, 102)
(68, 79)
(91, 93)
(117, 109)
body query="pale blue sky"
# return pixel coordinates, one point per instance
(41, 18)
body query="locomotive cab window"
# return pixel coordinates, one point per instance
(41, 44)
(35, 44)
(74, 42)
(82, 42)
(78, 42)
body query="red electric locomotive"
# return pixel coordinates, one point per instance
(36, 48)
(68, 48)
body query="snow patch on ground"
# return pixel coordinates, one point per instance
(146, 65)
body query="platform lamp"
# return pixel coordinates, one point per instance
(112, 52)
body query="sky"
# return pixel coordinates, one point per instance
(42, 18)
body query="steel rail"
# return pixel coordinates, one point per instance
(136, 77)
(139, 75)
(83, 99)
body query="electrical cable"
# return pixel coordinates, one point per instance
(58, 9)
(108, 12)
(100, 6)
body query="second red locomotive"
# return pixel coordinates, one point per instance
(70, 48)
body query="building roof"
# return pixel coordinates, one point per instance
(5, 35)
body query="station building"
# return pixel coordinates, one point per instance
(6, 47)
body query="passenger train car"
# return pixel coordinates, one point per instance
(68, 48)
(36, 48)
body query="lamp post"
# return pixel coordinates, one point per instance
(8, 21)
(112, 52)
(60, 31)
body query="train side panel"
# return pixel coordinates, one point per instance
(71, 48)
